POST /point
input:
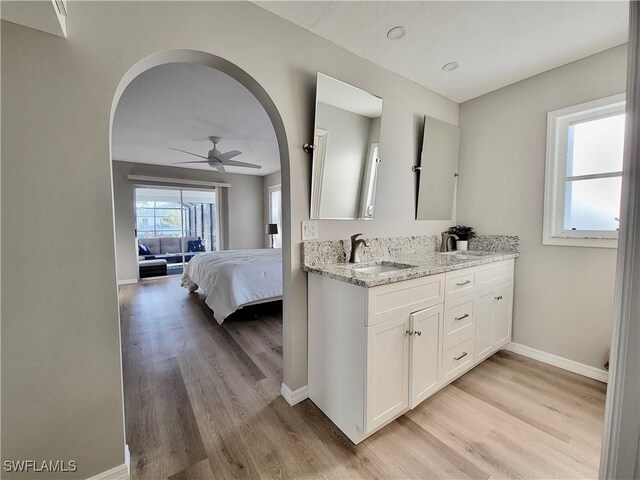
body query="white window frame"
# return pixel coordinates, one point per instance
(558, 123)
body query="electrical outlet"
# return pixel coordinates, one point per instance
(309, 230)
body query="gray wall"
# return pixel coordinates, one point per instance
(61, 377)
(270, 180)
(245, 209)
(563, 295)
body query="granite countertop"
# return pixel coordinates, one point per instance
(421, 265)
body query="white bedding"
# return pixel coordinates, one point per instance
(233, 278)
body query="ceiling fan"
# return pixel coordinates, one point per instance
(218, 160)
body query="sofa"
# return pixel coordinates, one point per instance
(169, 248)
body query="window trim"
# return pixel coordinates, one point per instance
(558, 122)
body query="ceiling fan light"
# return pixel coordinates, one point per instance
(217, 159)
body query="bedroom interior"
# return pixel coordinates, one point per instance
(283, 283)
(202, 222)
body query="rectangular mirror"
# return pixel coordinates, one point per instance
(346, 157)
(438, 170)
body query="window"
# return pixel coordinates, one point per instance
(275, 212)
(583, 176)
(369, 182)
(165, 215)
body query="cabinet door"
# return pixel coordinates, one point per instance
(426, 326)
(484, 320)
(387, 371)
(501, 317)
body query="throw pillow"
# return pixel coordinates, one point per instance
(143, 249)
(195, 246)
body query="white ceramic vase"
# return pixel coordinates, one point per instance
(462, 245)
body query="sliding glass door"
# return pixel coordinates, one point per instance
(201, 217)
(173, 225)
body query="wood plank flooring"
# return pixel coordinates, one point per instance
(202, 402)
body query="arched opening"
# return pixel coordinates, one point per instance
(168, 370)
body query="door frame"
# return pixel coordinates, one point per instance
(256, 89)
(179, 187)
(620, 455)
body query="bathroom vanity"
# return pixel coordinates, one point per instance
(386, 335)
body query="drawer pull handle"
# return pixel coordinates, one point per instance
(461, 284)
(409, 332)
(498, 298)
(462, 317)
(464, 354)
(418, 332)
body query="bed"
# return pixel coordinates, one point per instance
(233, 279)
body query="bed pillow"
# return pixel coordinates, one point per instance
(143, 249)
(195, 246)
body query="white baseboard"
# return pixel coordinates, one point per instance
(121, 472)
(294, 396)
(560, 362)
(127, 281)
(127, 457)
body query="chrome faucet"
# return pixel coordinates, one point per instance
(447, 244)
(355, 245)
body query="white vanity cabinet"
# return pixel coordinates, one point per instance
(376, 352)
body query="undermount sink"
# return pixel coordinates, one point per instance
(467, 253)
(473, 253)
(382, 267)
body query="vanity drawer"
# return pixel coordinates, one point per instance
(495, 273)
(403, 298)
(459, 317)
(457, 357)
(461, 282)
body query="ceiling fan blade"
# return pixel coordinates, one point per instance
(235, 163)
(220, 167)
(189, 153)
(223, 157)
(194, 161)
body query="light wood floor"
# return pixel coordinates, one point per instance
(202, 401)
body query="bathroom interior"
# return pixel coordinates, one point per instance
(453, 184)
(394, 319)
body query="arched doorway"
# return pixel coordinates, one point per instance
(217, 63)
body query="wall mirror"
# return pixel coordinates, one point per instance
(438, 167)
(346, 155)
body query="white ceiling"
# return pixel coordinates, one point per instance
(347, 97)
(40, 15)
(179, 105)
(496, 43)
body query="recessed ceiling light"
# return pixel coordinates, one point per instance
(396, 33)
(450, 67)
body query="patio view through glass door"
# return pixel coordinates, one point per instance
(175, 224)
